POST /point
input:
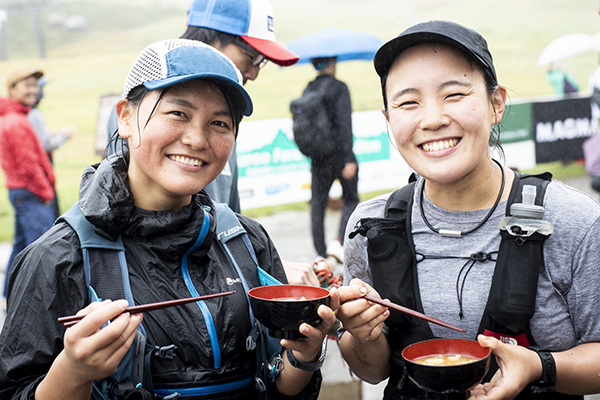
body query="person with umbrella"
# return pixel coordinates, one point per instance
(337, 163)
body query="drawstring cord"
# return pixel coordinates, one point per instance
(468, 265)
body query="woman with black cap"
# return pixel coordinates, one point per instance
(458, 243)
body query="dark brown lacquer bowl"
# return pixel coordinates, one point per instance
(446, 379)
(281, 308)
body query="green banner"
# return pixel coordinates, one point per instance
(282, 155)
(516, 125)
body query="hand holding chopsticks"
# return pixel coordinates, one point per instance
(405, 310)
(73, 319)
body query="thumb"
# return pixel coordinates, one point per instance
(488, 341)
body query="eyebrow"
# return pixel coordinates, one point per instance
(180, 101)
(442, 86)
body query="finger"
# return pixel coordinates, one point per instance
(328, 318)
(360, 311)
(94, 305)
(119, 348)
(101, 314)
(334, 298)
(488, 341)
(352, 292)
(112, 342)
(310, 344)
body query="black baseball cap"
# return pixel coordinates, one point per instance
(447, 32)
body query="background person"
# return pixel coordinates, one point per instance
(51, 140)
(561, 81)
(591, 147)
(442, 100)
(340, 164)
(181, 125)
(28, 171)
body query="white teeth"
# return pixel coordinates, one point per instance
(444, 144)
(186, 160)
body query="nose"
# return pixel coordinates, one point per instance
(433, 116)
(251, 73)
(196, 138)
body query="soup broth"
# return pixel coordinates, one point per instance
(444, 359)
(289, 298)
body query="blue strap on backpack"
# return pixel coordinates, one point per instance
(112, 282)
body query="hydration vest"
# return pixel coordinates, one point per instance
(511, 302)
(107, 277)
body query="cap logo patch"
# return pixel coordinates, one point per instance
(270, 24)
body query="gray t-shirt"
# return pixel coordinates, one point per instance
(568, 288)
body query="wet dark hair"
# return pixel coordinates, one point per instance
(491, 84)
(207, 35)
(138, 93)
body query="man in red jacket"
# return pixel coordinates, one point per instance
(29, 174)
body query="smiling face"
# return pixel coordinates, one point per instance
(440, 113)
(25, 91)
(183, 147)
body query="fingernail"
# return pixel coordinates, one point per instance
(363, 290)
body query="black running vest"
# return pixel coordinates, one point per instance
(511, 302)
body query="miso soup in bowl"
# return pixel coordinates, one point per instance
(446, 365)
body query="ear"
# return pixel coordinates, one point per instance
(499, 103)
(385, 114)
(125, 115)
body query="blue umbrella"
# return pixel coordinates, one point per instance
(341, 43)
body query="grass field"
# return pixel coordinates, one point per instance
(81, 66)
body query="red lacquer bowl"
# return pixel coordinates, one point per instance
(279, 309)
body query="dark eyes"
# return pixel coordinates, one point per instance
(178, 113)
(407, 103)
(221, 124)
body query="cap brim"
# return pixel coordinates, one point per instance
(273, 51)
(386, 55)
(237, 90)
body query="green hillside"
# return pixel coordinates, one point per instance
(82, 65)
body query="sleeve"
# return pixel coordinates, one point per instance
(38, 122)
(46, 282)
(584, 295)
(50, 142)
(24, 143)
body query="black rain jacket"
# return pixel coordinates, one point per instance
(47, 281)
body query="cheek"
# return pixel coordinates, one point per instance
(401, 127)
(222, 145)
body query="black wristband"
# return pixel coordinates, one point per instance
(304, 366)
(548, 381)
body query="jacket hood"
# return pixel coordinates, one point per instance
(8, 105)
(105, 199)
